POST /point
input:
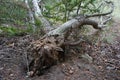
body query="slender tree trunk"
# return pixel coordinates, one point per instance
(31, 16)
(39, 17)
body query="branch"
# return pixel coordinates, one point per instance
(103, 14)
(106, 20)
(80, 21)
(78, 8)
(62, 29)
(72, 43)
(91, 22)
(73, 24)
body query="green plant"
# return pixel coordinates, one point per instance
(11, 13)
(11, 31)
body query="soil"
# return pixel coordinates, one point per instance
(104, 66)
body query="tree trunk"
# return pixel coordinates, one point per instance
(39, 17)
(31, 16)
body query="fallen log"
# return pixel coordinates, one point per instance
(50, 49)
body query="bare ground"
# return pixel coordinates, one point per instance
(105, 64)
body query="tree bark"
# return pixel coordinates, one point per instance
(31, 16)
(38, 16)
(50, 49)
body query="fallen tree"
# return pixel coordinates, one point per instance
(50, 49)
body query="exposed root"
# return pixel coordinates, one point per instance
(45, 52)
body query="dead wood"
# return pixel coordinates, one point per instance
(45, 53)
(50, 49)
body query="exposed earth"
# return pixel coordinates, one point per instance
(104, 66)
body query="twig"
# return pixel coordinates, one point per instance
(103, 14)
(27, 63)
(78, 8)
(107, 20)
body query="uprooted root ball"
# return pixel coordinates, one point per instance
(45, 53)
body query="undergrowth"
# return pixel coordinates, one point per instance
(13, 31)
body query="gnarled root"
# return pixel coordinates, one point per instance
(45, 53)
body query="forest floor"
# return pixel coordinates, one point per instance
(105, 64)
